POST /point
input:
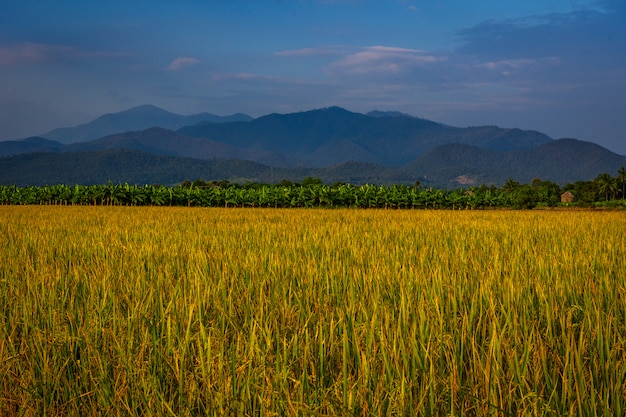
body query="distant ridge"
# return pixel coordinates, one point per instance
(332, 143)
(447, 166)
(136, 167)
(167, 142)
(562, 161)
(333, 135)
(32, 144)
(379, 113)
(136, 118)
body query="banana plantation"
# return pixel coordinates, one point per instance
(310, 194)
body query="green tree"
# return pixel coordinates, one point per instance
(308, 181)
(621, 177)
(510, 186)
(547, 192)
(199, 184)
(606, 185)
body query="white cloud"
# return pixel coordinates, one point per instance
(182, 63)
(509, 66)
(383, 60)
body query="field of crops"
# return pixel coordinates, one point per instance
(194, 311)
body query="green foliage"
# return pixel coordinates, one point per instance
(308, 181)
(312, 192)
(621, 179)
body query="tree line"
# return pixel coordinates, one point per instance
(603, 191)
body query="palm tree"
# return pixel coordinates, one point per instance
(621, 177)
(606, 185)
(510, 186)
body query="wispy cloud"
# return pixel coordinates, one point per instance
(508, 66)
(383, 60)
(318, 51)
(26, 53)
(241, 76)
(258, 81)
(181, 63)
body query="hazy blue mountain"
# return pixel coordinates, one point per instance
(33, 144)
(562, 161)
(167, 142)
(333, 144)
(119, 166)
(328, 136)
(136, 167)
(380, 113)
(446, 166)
(316, 138)
(136, 118)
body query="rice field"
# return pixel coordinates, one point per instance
(187, 311)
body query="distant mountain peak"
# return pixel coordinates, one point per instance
(381, 113)
(334, 109)
(143, 109)
(324, 110)
(136, 118)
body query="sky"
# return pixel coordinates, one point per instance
(556, 66)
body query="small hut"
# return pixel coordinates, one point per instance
(567, 197)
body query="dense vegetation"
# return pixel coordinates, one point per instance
(604, 190)
(175, 311)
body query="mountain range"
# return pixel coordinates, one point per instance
(148, 145)
(136, 118)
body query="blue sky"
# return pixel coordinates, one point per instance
(557, 66)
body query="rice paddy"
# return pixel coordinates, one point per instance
(195, 311)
